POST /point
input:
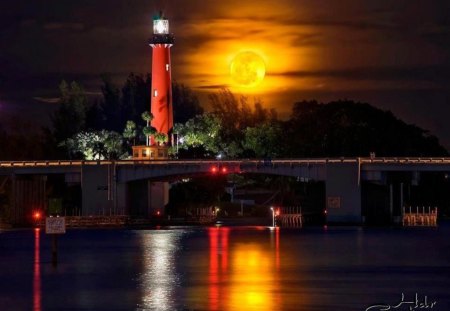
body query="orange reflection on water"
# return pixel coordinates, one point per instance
(37, 272)
(242, 276)
(253, 278)
(277, 248)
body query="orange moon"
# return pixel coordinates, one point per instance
(247, 69)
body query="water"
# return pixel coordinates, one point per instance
(226, 268)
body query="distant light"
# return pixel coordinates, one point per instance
(214, 169)
(224, 169)
(325, 212)
(37, 215)
(157, 213)
(278, 212)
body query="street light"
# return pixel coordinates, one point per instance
(273, 216)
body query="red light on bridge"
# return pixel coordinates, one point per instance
(219, 169)
(37, 215)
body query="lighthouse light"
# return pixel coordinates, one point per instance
(161, 27)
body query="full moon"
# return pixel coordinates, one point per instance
(247, 69)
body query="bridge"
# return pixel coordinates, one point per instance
(111, 186)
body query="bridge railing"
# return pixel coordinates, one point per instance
(420, 217)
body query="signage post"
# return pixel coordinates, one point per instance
(54, 226)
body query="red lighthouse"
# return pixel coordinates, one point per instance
(161, 104)
(161, 92)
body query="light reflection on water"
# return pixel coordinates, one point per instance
(159, 278)
(224, 269)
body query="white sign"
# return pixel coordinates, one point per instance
(55, 225)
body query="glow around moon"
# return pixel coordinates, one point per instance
(247, 69)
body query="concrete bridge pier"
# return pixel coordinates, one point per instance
(158, 197)
(97, 190)
(102, 194)
(343, 193)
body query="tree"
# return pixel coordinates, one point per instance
(185, 103)
(110, 106)
(161, 138)
(200, 132)
(130, 133)
(148, 130)
(263, 140)
(96, 145)
(147, 116)
(347, 129)
(135, 97)
(235, 115)
(70, 116)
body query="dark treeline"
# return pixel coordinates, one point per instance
(234, 127)
(347, 128)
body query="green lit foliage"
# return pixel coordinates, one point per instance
(147, 116)
(223, 130)
(129, 133)
(96, 145)
(263, 140)
(200, 132)
(161, 138)
(148, 130)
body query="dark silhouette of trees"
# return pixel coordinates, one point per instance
(110, 106)
(135, 98)
(21, 140)
(185, 103)
(70, 117)
(347, 128)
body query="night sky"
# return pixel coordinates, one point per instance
(392, 54)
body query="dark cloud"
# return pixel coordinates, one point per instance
(440, 75)
(213, 87)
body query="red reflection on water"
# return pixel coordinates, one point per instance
(217, 253)
(213, 268)
(224, 258)
(37, 272)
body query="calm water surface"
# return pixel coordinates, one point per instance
(226, 268)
